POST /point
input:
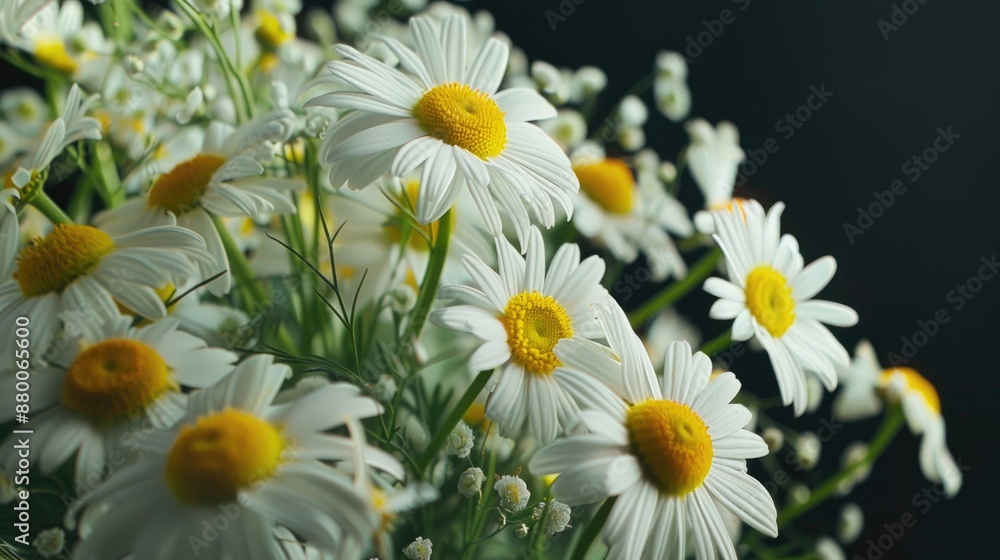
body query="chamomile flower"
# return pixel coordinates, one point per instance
(520, 314)
(444, 116)
(629, 212)
(85, 269)
(867, 385)
(713, 156)
(237, 454)
(24, 110)
(218, 177)
(674, 452)
(60, 41)
(109, 380)
(769, 295)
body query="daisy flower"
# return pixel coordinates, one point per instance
(674, 451)
(520, 314)
(769, 294)
(82, 268)
(629, 211)
(235, 454)
(220, 177)
(110, 380)
(713, 157)
(442, 114)
(866, 385)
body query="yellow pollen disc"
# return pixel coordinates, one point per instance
(535, 323)
(53, 262)
(180, 190)
(220, 454)
(918, 383)
(476, 416)
(769, 298)
(51, 53)
(672, 445)
(114, 380)
(609, 183)
(270, 34)
(464, 117)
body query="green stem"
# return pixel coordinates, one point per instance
(432, 278)
(717, 344)
(669, 295)
(452, 420)
(891, 423)
(239, 267)
(41, 201)
(593, 529)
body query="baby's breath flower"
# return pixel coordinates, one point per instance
(471, 482)
(513, 492)
(774, 439)
(460, 441)
(419, 549)
(828, 549)
(385, 388)
(50, 542)
(807, 450)
(556, 517)
(633, 111)
(799, 493)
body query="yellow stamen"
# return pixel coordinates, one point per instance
(52, 263)
(609, 183)
(270, 33)
(221, 454)
(769, 299)
(917, 383)
(464, 117)
(115, 379)
(535, 323)
(672, 445)
(180, 190)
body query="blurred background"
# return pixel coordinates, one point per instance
(873, 121)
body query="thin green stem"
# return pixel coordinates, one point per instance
(717, 344)
(669, 295)
(432, 279)
(452, 420)
(593, 529)
(41, 201)
(891, 423)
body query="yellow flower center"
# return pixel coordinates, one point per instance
(165, 293)
(51, 53)
(114, 380)
(918, 383)
(53, 262)
(270, 33)
(476, 416)
(609, 183)
(464, 117)
(769, 299)
(180, 190)
(380, 503)
(672, 445)
(535, 323)
(221, 454)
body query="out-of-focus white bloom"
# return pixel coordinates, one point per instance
(669, 326)
(850, 523)
(632, 111)
(807, 450)
(50, 542)
(23, 110)
(854, 453)
(632, 138)
(513, 493)
(774, 438)
(589, 81)
(217, 8)
(828, 549)
(385, 388)
(460, 441)
(798, 493)
(470, 483)
(419, 549)
(713, 157)
(670, 89)
(195, 102)
(568, 128)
